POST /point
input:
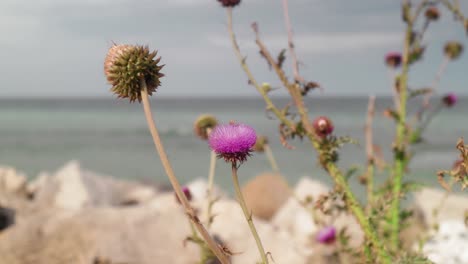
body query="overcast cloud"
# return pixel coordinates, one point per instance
(57, 47)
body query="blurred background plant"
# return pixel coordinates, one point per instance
(382, 218)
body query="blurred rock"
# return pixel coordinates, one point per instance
(265, 194)
(137, 195)
(7, 217)
(296, 219)
(198, 188)
(449, 206)
(449, 244)
(73, 188)
(231, 225)
(11, 180)
(122, 235)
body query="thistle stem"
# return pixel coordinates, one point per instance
(435, 83)
(295, 94)
(209, 191)
(400, 144)
(271, 158)
(287, 22)
(172, 178)
(247, 214)
(370, 152)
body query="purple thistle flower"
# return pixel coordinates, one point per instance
(233, 141)
(393, 59)
(450, 99)
(323, 126)
(229, 3)
(187, 194)
(327, 235)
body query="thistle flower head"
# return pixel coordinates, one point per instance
(432, 13)
(453, 49)
(203, 124)
(393, 59)
(229, 3)
(260, 144)
(450, 99)
(187, 194)
(327, 235)
(126, 65)
(233, 141)
(323, 126)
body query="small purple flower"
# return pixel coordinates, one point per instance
(450, 99)
(327, 235)
(323, 126)
(393, 59)
(187, 194)
(233, 141)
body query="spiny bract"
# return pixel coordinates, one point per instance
(126, 66)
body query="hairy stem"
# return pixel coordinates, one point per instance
(287, 22)
(271, 158)
(209, 191)
(436, 81)
(370, 152)
(331, 168)
(247, 214)
(270, 106)
(172, 178)
(400, 155)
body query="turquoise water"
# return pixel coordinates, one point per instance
(111, 137)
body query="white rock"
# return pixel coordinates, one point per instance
(452, 206)
(35, 185)
(231, 225)
(72, 193)
(294, 218)
(73, 188)
(123, 235)
(198, 188)
(138, 195)
(449, 245)
(298, 220)
(11, 180)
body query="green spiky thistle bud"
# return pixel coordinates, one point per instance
(453, 49)
(202, 124)
(260, 144)
(124, 67)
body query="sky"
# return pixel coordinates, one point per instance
(57, 47)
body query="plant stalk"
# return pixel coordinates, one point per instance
(294, 91)
(358, 212)
(400, 155)
(172, 178)
(209, 191)
(370, 152)
(271, 158)
(247, 214)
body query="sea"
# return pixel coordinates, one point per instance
(110, 136)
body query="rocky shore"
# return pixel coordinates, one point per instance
(78, 216)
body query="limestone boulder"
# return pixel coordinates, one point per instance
(436, 205)
(198, 188)
(265, 194)
(11, 180)
(138, 234)
(448, 244)
(231, 226)
(73, 188)
(297, 219)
